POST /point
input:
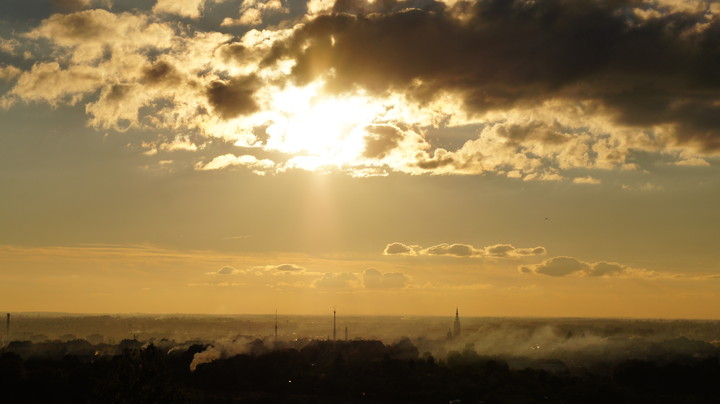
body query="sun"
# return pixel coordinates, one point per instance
(321, 129)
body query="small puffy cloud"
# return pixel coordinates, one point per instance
(183, 8)
(287, 268)
(586, 180)
(253, 11)
(567, 266)
(50, 83)
(645, 187)
(531, 251)
(234, 97)
(227, 270)
(557, 266)
(315, 7)
(464, 250)
(90, 34)
(179, 143)
(509, 251)
(229, 160)
(8, 72)
(693, 162)
(8, 45)
(339, 280)
(606, 268)
(374, 279)
(215, 284)
(399, 249)
(457, 250)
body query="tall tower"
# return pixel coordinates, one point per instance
(7, 328)
(276, 326)
(334, 326)
(456, 325)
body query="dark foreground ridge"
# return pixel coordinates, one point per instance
(355, 371)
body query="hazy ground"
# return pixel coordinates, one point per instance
(526, 337)
(238, 359)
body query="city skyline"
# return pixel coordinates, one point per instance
(512, 158)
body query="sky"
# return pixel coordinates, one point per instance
(549, 158)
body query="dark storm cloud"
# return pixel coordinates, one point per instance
(499, 54)
(235, 97)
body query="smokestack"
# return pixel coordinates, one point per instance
(334, 325)
(346, 338)
(7, 328)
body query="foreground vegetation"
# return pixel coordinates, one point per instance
(325, 371)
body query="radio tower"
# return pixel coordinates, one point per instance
(334, 325)
(275, 326)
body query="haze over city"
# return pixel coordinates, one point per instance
(511, 158)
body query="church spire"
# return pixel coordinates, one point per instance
(456, 325)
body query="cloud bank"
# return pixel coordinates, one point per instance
(569, 266)
(464, 250)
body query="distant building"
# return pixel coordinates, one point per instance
(456, 325)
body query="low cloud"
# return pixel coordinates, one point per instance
(464, 250)
(569, 266)
(586, 180)
(400, 249)
(227, 271)
(374, 279)
(216, 284)
(693, 162)
(287, 268)
(340, 280)
(230, 160)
